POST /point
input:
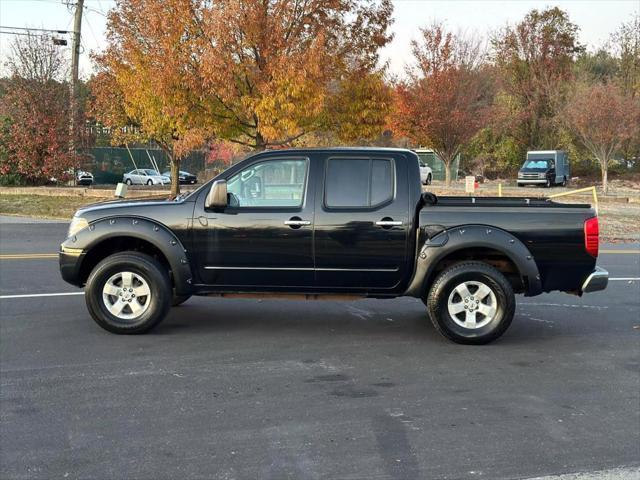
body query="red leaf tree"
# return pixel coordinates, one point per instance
(444, 102)
(35, 113)
(603, 117)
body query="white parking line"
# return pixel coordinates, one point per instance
(625, 279)
(35, 295)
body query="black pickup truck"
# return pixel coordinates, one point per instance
(335, 223)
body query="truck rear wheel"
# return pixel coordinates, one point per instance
(471, 303)
(128, 293)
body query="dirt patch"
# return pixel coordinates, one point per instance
(43, 206)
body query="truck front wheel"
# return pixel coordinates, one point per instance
(128, 293)
(471, 303)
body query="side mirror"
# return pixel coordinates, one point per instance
(217, 197)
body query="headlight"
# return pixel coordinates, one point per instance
(542, 175)
(77, 224)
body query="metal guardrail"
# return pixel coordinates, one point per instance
(580, 190)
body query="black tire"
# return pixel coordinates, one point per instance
(149, 182)
(128, 181)
(444, 286)
(548, 184)
(428, 179)
(521, 184)
(142, 265)
(564, 181)
(179, 299)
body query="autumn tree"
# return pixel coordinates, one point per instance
(275, 65)
(149, 77)
(535, 58)
(357, 111)
(258, 73)
(443, 103)
(603, 117)
(625, 43)
(34, 111)
(625, 47)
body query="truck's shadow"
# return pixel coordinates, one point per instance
(399, 319)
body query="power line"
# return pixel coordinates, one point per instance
(35, 29)
(24, 34)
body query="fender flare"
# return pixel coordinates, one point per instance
(140, 228)
(472, 236)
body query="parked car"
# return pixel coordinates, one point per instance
(145, 176)
(545, 167)
(183, 177)
(426, 175)
(330, 223)
(84, 178)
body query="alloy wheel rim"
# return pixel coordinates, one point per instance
(472, 304)
(126, 295)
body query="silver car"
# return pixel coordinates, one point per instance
(145, 176)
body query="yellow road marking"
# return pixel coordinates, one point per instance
(628, 252)
(27, 256)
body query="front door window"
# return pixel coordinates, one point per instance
(269, 184)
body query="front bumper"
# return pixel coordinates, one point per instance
(532, 181)
(596, 281)
(70, 261)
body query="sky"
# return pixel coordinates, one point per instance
(597, 19)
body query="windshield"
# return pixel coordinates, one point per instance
(538, 164)
(152, 172)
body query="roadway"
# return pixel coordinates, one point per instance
(285, 389)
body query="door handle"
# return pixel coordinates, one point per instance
(388, 223)
(296, 222)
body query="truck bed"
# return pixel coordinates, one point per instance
(553, 232)
(459, 201)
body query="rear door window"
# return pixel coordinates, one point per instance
(358, 182)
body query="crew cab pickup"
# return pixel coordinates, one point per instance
(339, 223)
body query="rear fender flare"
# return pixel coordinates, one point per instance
(473, 236)
(144, 229)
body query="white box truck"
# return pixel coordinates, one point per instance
(545, 167)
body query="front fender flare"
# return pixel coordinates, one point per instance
(140, 228)
(473, 236)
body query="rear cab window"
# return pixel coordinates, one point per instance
(359, 182)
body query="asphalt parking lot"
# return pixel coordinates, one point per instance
(276, 389)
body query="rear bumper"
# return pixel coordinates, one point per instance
(597, 280)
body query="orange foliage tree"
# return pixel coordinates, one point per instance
(443, 103)
(148, 77)
(275, 65)
(256, 72)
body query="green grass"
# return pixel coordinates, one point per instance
(42, 205)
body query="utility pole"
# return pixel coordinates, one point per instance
(75, 57)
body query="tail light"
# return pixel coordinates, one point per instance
(591, 234)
